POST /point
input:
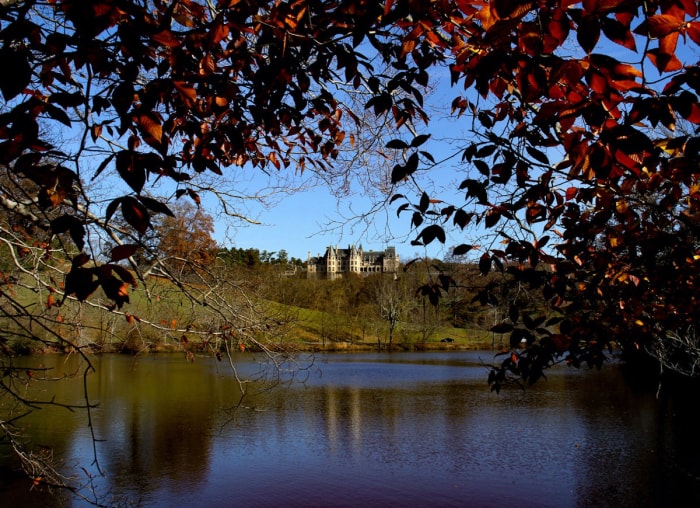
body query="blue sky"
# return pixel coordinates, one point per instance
(311, 220)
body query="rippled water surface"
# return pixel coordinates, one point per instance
(409, 429)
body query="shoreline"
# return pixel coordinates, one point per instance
(297, 347)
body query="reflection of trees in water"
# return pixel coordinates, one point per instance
(678, 438)
(647, 445)
(579, 438)
(585, 437)
(158, 423)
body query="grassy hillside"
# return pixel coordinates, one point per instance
(161, 318)
(323, 330)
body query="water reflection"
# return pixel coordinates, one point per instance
(377, 430)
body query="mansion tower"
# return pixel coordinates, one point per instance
(336, 262)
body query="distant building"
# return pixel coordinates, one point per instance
(336, 262)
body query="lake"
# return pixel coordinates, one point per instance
(368, 429)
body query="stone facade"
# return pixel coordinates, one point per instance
(336, 262)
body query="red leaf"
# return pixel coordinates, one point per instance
(166, 38)
(150, 127)
(668, 43)
(694, 115)
(14, 82)
(156, 206)
(690, 7)
(462, 249)
(664, 62)
(123, 273)
(588, 33)
(187, 92)
(559, 26)
(509, 9)
(693, 30)
(194, 196)
(618, 33)
(115, 290)
(135, 214)
(662, 25)
(132, 173)
(123, 251)
(598, 82)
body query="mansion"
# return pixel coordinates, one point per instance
(336, 262)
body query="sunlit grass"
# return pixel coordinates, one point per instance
(157, 318)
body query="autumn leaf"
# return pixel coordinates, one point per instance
(662, 25)
(155, 206)
(150, 127)
(166, 38)
(14, 83)
(115, 289)
(430, 233)
(186, 92)
(71, 224)
(128, 167)
(663, 61)
(507, 9)
(123, 273)
(123, 252)
(588, 33)
(461, 249)
(135, 214)
(693, 30)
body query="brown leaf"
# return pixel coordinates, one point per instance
(664, 62)
(80, 260)
(124, 274)
(150, 127)
(507, 9)
(156, 206)
(14, 82)
(693, 30)
(133, 173)
(663, 24)
(618, 33)
(123, 252)
(187, 92)
(135, 214)
(588, 33)
(116, 290)
(95, 132)
(81, 283)
(166, 38)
